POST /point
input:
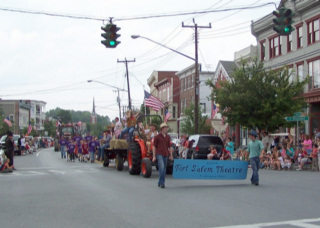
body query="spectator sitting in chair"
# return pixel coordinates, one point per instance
(225, 155)
(5, 168)
(304, 159)
(213, 153)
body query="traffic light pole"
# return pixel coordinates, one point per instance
(197, 78)
(127, 74)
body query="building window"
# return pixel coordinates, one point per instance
(300, 72)
(314, 72)
(185, 84)
(189, 82)
(289, 43)
(181, 105)
(174, 112)
(185, 102)
(181, 84)
(168, 94)
(192, 80)
(299, 37)
(263, 50)
(313, 31)
(275, 46)
(290, 75)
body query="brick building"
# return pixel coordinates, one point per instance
(165, 86)
(300, 51)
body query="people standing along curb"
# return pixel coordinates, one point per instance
(254, 148)
(161, 151)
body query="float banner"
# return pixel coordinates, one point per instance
(210, 169)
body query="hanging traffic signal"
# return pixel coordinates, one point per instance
(283, 21)
(288, 21)
(110, 35)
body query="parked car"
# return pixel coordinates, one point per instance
(201, 146)
(2, 155)
(15, 140)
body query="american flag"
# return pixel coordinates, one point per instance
(167, 115)
(7, 121)
(29, 129)
(215, 110)
(152, 101)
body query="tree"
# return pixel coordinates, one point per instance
(49, 127)
(3, 126)
(144, 109)
(187, 125)
(259, 98)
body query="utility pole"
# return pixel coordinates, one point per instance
(127, 74)
(197, 78)
(118, 101)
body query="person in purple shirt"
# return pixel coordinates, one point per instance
(77, 138)
(71, 148)
(88, 137)
(92, 149)
(63, 144)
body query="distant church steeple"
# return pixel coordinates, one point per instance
(93, 114)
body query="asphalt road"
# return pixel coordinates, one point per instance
(48, 192)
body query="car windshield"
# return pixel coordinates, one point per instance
(206, 141)
(15, 137)
(66, 129)
(3, 139)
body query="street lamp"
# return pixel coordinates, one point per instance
(146, 38)
(117, 88)
(196, 86)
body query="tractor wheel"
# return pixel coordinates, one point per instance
(119, 162)
(146, 167)
(106, 160)
(134, 159)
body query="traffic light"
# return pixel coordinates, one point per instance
(283, 21)
(110, 35)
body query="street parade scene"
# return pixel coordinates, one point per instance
(139, 114)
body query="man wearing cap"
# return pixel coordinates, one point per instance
(254, 148)
(161, 150)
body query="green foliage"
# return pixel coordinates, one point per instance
(187, 125)
(256, 97)
(50, 127)
(83, 116)
(3, 126)
(142, 110)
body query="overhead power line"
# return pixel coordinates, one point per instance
(174, 14)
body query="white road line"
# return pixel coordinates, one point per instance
(36, 168)
(38, 153)
(305, 223)
(56, 171)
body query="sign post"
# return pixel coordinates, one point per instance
(297, 116)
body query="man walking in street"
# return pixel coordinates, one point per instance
(161, 150)
(254, 148)
(63, 143)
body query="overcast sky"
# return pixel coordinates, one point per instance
(51, 58)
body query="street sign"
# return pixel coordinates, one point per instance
(297, 114)
(297, 118)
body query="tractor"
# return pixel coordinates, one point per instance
(139, 158)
